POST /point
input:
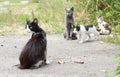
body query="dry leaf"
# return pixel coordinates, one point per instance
(60, 61)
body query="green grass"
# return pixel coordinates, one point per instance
(117, 71)
(50, 13)
(112, 39)
(118, 48)
(13, 1)
(117, 29)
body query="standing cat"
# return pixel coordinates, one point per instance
(69, 23)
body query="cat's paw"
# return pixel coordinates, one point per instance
(80, 42)
(47, 62)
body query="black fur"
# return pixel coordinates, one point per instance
(74, 36)
(69, 23)
(78, 28)
(88, 26)
(107, 27)
(35, 49)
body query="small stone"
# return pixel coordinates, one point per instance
(15, 46)
(2, 45)
(49, 56)
(79, 62)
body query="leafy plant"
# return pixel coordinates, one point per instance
(51, 13)
(112, 39)
(118, 67)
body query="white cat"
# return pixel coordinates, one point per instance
(103, 26)
(83, 31)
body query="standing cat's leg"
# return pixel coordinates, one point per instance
(65, 32)
(68, 32)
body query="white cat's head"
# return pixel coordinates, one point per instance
(76, 29)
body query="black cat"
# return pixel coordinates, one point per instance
(34, 52)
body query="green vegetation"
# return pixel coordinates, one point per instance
(112, 39)
(118, 67)
(51, 14)
(14, 1)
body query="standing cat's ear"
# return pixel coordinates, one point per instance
(72, 8)
(27, 20)
(35, 21)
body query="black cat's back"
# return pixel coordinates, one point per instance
(35, 49)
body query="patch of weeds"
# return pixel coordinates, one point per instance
(117, 71)
(1, 0)
(6, 17)
(112, 39)
(36, 1)
(106, 73)
(117, 29)
(118, 48)
(2, 24)
(13, 1)
(95, 75)
(21, 18)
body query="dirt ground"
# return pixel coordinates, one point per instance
(90, 59)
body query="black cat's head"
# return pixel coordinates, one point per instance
(32, 26)
(69, 11)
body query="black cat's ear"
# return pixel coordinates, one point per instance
(35, 21)
(27, 20)
(72, 8)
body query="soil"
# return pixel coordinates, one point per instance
(68, 58)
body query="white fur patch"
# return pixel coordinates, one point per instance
(47, 62)
(75, 30)
(82, 33)
(38, 64)
(27, 29)
(101, 24)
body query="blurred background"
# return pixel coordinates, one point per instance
(51, 14)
